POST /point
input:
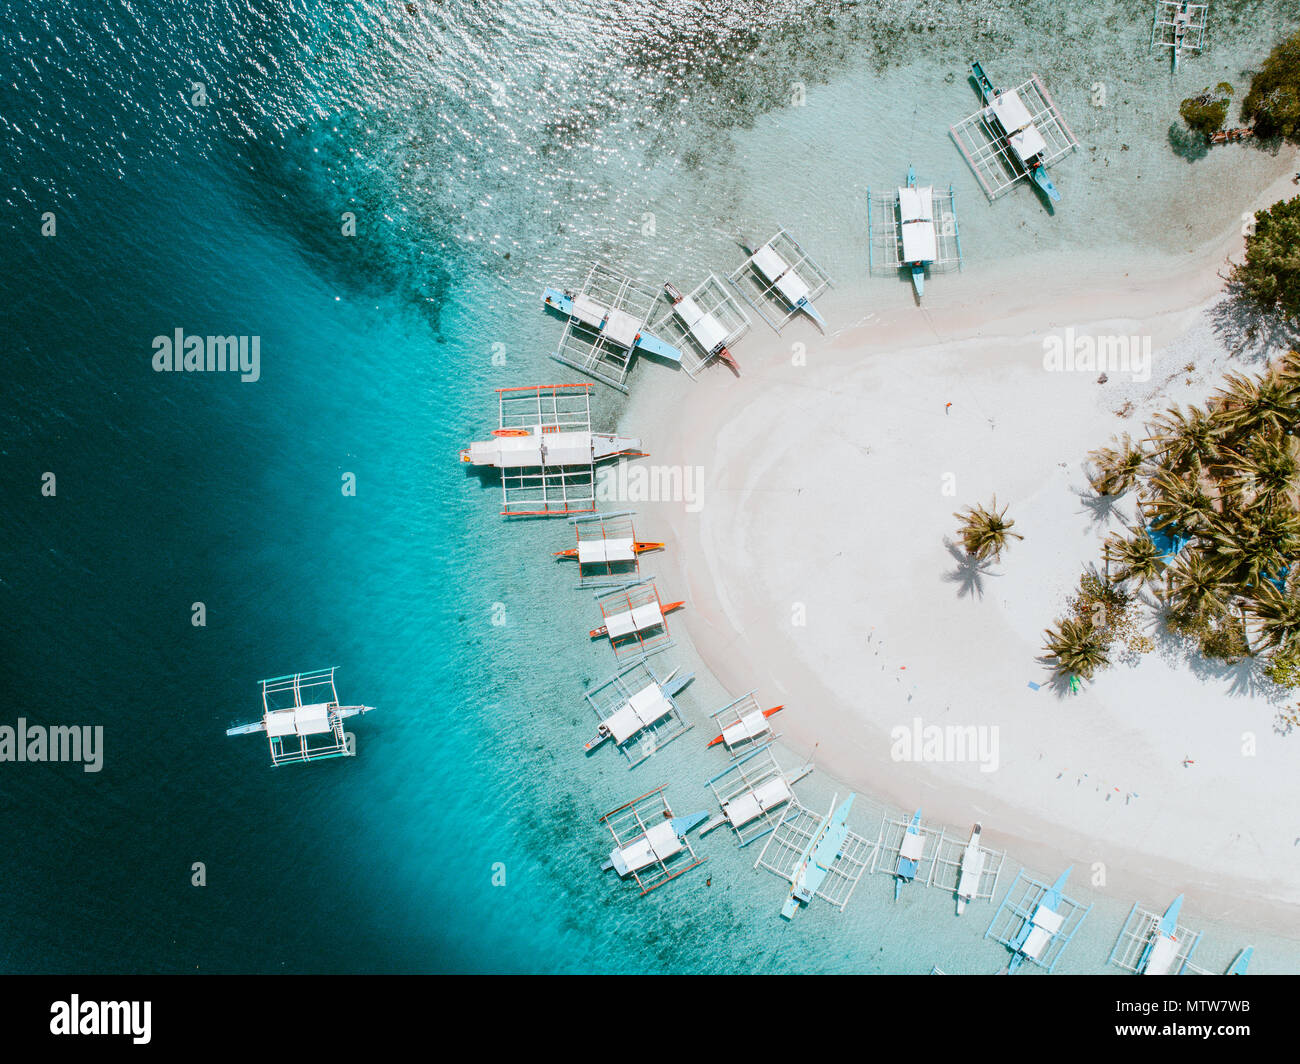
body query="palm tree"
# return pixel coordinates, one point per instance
(1243, 406)
(1116, 469)
(1278, 614)
(1266, 471)
(1078, 646)
(1179, 504)
(1258, 542)
(1185, 443)
(985, 533)
(1138, 557)
(1196, 587)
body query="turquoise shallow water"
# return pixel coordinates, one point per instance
(456, 137)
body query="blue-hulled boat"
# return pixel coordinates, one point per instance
(1161, 952)
(909, 854)
(599, 318)
(1023, 140)
(1043, 923)
(1239, 966)
(815, 862)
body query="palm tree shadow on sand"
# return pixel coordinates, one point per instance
(1246, 328)
(1102, 509)
(1244, 678)
(969, 573)
(1059, 683)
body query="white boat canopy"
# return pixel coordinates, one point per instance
(643, 709)
(780, 280)
(750, 725)
(595, 551)
(916, 206)
(1164, 951)
(763, 798)
(780, 275)
(638, 619)
(1045, 924)
(656, 845)
(707, 331)
(913, 847)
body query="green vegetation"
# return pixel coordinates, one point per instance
(1100, 614)
(1272, 105)
(985, 533)
(1222, 481)
(1270, 276)
(1207, 112)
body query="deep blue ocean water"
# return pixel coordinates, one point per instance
(483, 151)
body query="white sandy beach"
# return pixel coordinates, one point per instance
(823, 498)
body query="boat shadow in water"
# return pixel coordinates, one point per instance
(970, 572)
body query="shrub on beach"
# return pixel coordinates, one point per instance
(1284, 667)
(1100, 614)
(1270, 275)
(1272, 105)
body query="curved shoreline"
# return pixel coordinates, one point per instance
(739, 620)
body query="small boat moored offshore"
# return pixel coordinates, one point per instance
(781, 272)
(708, 322)
(606, 325)
(1017, 134)
(299, 730)
(756, 794)
(634, 619)
(972, 869)
(913, 228)
(910, 853)
(1180, 27)
(650, 843)
(546, 451)
(1162, 950)
(742, 722)
(607, 551)
(1151, 944)
(638, 711)
(818, 858)
(1037, 923)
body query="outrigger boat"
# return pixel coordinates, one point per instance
(1239, 966)
(704, 328)
(972, 868)
(909, 854)
(620, 328)
(1179, 26)
(782, 278)
(781, 273)
(1162, 950)
(650, 842)
(298, 729)
(641, 709)
(913, 227)
(748, 726)
(613, 551)
(637, 619)
(1044, 922)
(1007, 109)
(920, 248)
(606, 549)
(817, 858)
(756, 795)
(546, 451)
